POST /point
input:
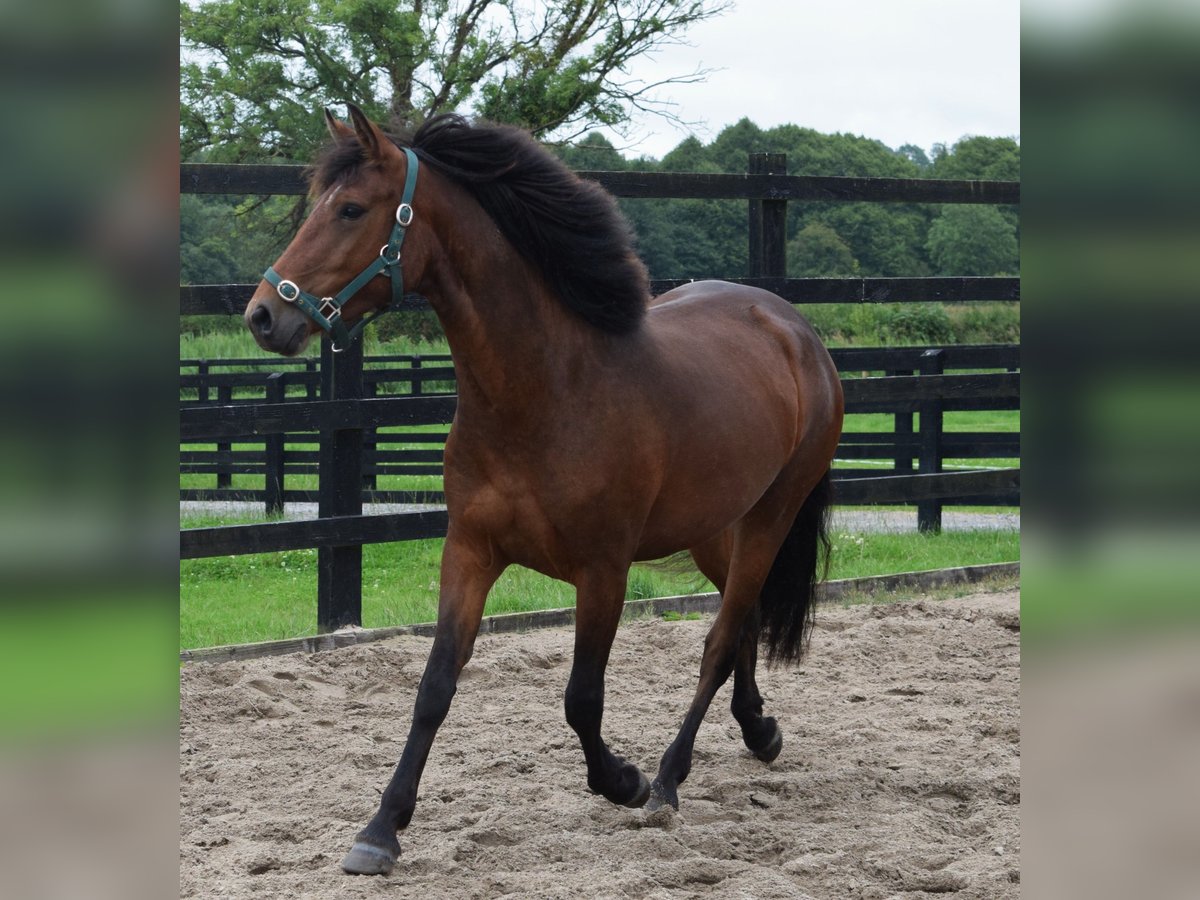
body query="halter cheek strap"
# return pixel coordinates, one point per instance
(327, 311)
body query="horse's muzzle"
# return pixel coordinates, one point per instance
(277, 327)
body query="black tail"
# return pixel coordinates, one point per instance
(789, 593)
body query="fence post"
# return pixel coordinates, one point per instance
(224, 448)
(310, 370)
(929, 512)
(273, 457)
(370, 443)
(339, 569)
(768, 222)
(202, 377)
(903, 428)
(417, 385)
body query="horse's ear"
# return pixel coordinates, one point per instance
(337, 130)
(372, 139)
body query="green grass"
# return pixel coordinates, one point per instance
(898, 325)
(1115, 586)
(74, 666)
(238, 599)
(855, 555)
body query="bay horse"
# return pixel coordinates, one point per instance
(595, 426)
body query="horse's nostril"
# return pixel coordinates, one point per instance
(260, 320)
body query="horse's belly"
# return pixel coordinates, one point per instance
(698, 502)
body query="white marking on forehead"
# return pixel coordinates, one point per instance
(332, 194)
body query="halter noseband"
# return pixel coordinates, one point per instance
(327, 311)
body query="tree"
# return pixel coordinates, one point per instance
(973, 240)
(886, 238)
(689, 155)
(594, 152)
(983, 158)
(224, 240)
(915, 155)
(818, 252)
(255, 72)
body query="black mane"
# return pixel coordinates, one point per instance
(569, 228)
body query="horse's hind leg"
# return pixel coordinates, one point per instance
(791, 512)
(468, 574)
(754, 549)
(599, 601)
(760, 734)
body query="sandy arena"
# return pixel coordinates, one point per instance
(899, 776)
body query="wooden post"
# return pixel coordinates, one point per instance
(339, 569)
(224, 475)
(768, 222)
(903, 429)
(202, 377)
(929, 512)
(310, 369)
(417, 385)
(274, 456)
(370, 444)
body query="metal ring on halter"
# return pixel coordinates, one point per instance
(404, 215)
(290, 285)
(329, 308)
(390, 258)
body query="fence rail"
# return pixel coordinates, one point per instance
(204, 178)
(335, 404)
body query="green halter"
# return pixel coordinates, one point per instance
(327, 311)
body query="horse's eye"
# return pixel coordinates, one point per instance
(350, 211)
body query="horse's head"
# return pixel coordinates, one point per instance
(327, 277)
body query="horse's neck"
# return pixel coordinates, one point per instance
(512, 341)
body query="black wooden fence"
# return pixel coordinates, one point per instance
(263, 469)
(352, 412)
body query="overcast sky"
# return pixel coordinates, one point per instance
(902, 71)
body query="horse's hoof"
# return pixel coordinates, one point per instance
(768, 753)
(641, 795)
(367, 859)
(661, 796)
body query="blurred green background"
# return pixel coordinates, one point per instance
(88, 259)
(1111, 276)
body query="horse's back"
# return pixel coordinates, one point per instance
(739, 326)
(711, 305)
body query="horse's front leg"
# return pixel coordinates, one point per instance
(600, 597)
(469, 570)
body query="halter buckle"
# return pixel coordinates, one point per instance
(404, 215)
(288, 291)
